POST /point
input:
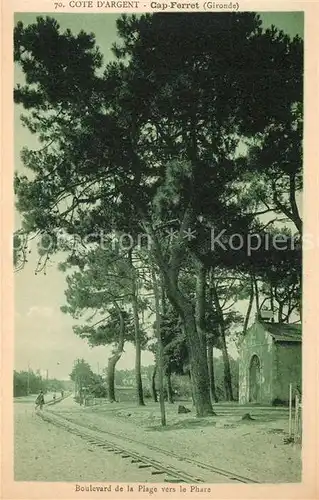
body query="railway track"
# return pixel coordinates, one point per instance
(157, 467)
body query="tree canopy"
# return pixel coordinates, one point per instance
(153, 143)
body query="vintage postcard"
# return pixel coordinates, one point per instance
(159, 186)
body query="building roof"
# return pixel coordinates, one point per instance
(283, 332)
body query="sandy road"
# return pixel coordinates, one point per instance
(49, 453)
(252, 449)
(43, 452)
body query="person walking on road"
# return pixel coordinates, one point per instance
(39, 402)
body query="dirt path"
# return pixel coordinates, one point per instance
(44, 452)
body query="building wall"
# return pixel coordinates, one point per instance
(287, 369)
(256, 342)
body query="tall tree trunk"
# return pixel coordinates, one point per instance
(272, 304)
(163, 297)
(154, 392)
(200, 300)
(293, 203)
(210, 363)
(280, 312)
(111, 376)
(197, 352)
(195, 343)
(200, 309)
(192, 386)
(222, 338)
(210, 346)
(170, 396)
(138, 377)
(199, 369)
(227, 371)
(160, 354)
(250, 305)
(280, 306)
(256, 296)
(196, 346)
(116, 355)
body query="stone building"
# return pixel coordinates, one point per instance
(270, 360)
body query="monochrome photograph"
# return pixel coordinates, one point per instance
(158, 177)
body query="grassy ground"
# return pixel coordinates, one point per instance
(254, 448)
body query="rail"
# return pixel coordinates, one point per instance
(158, 467)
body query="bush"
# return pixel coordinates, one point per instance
(98, 391)
(181, 386)
(26, 382)
(147, 392)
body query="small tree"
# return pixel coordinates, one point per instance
(104, 286)
(82, 376)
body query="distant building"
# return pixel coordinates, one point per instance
(269, 360)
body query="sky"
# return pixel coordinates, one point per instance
(44, 338)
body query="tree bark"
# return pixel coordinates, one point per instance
(200, 299)
(192, 386)
(222, 337)
(170, 396)
(293, 204)
(210, 363)
(272, 305)
(256, 295)
(138, 377)
(154, 393)
(111, 377)
(227, 371)
(280, 312)
(200, 309)
(195, 343)
(160, 354)
(250, 305)
(199, 369)
(116, 355)
(291, 212)
(196, 346)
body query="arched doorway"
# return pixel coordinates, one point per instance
(254, 380)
